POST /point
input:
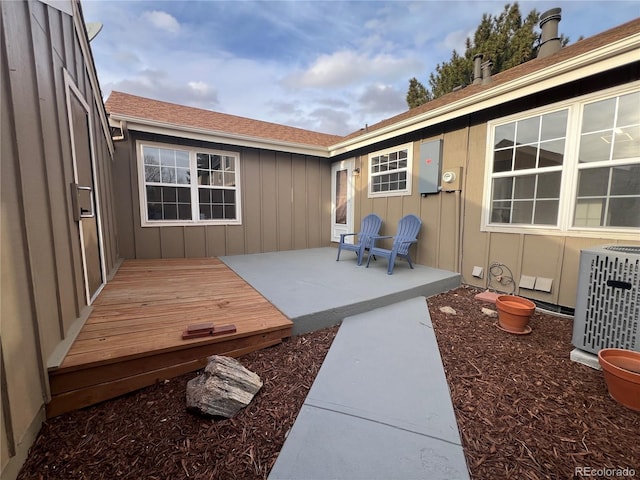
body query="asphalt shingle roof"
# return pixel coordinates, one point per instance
(181, 115)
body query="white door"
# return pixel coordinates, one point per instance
(342, 197)
(84, 196)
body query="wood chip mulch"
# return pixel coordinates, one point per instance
(524, 411)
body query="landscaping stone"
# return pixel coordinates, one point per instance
(448, 310)
(223, 389)
(489, 313)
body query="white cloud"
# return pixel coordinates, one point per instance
(162, 20)
(348, 67)
(298, 63)
(159, 85)
(457, 41)
(201, 88)
(382, 99)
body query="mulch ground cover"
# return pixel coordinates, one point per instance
(524, 410)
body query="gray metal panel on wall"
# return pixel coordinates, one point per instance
(430, 167)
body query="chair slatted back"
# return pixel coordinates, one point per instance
(370, 225)
(408, 228)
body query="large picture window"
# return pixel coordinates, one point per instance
(574, 167)
(390, 172)
(182, 185)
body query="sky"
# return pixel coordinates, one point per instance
(326, 65)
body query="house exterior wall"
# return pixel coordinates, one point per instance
(285, 198)
(451, 236)
(42, 286)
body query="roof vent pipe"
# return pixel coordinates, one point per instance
(477, 69)
(549, 40)
(486, 72)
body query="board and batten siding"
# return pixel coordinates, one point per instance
(438, 240)
(451, 236)
(285, 199)
(42, 289)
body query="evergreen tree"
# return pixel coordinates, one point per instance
(506, 39)
(417, 93)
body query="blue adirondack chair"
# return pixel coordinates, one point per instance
(370, 226)
(408, 228)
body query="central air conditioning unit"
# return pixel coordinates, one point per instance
(607, 313)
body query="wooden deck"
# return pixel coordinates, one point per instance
(133, 337)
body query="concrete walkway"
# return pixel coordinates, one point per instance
(380, 407)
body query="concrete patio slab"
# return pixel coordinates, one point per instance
(380, 407)
(315, 291)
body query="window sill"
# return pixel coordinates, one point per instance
(190, 224)
(388, 194)
(626, 234)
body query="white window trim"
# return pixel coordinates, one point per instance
(142, 191)
(410, 160)
(568, 186)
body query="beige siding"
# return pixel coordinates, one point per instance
(284, 203)
(451, 236)
(269, 208)
(438, 239)
(554, 257)
(285, 200)
(42, 285)
(252, 198)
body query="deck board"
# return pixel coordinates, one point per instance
(133, 336)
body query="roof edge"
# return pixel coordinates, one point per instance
(194, 133)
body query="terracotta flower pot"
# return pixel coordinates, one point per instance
(622, 374)
(514, 313)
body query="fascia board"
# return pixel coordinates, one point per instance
(181, 131)
(610, 56)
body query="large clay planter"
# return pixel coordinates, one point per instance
(514, 313)
(622, 374)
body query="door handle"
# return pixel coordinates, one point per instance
(79, 204)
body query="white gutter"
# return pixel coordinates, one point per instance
(194, 133)
(621, 52)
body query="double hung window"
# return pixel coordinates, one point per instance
(390, 171)
(182, 185)
(570, 167)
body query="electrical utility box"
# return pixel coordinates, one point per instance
(430, 167)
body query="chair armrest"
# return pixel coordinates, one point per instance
(342, 235)
(373, 238)
(403, 242)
